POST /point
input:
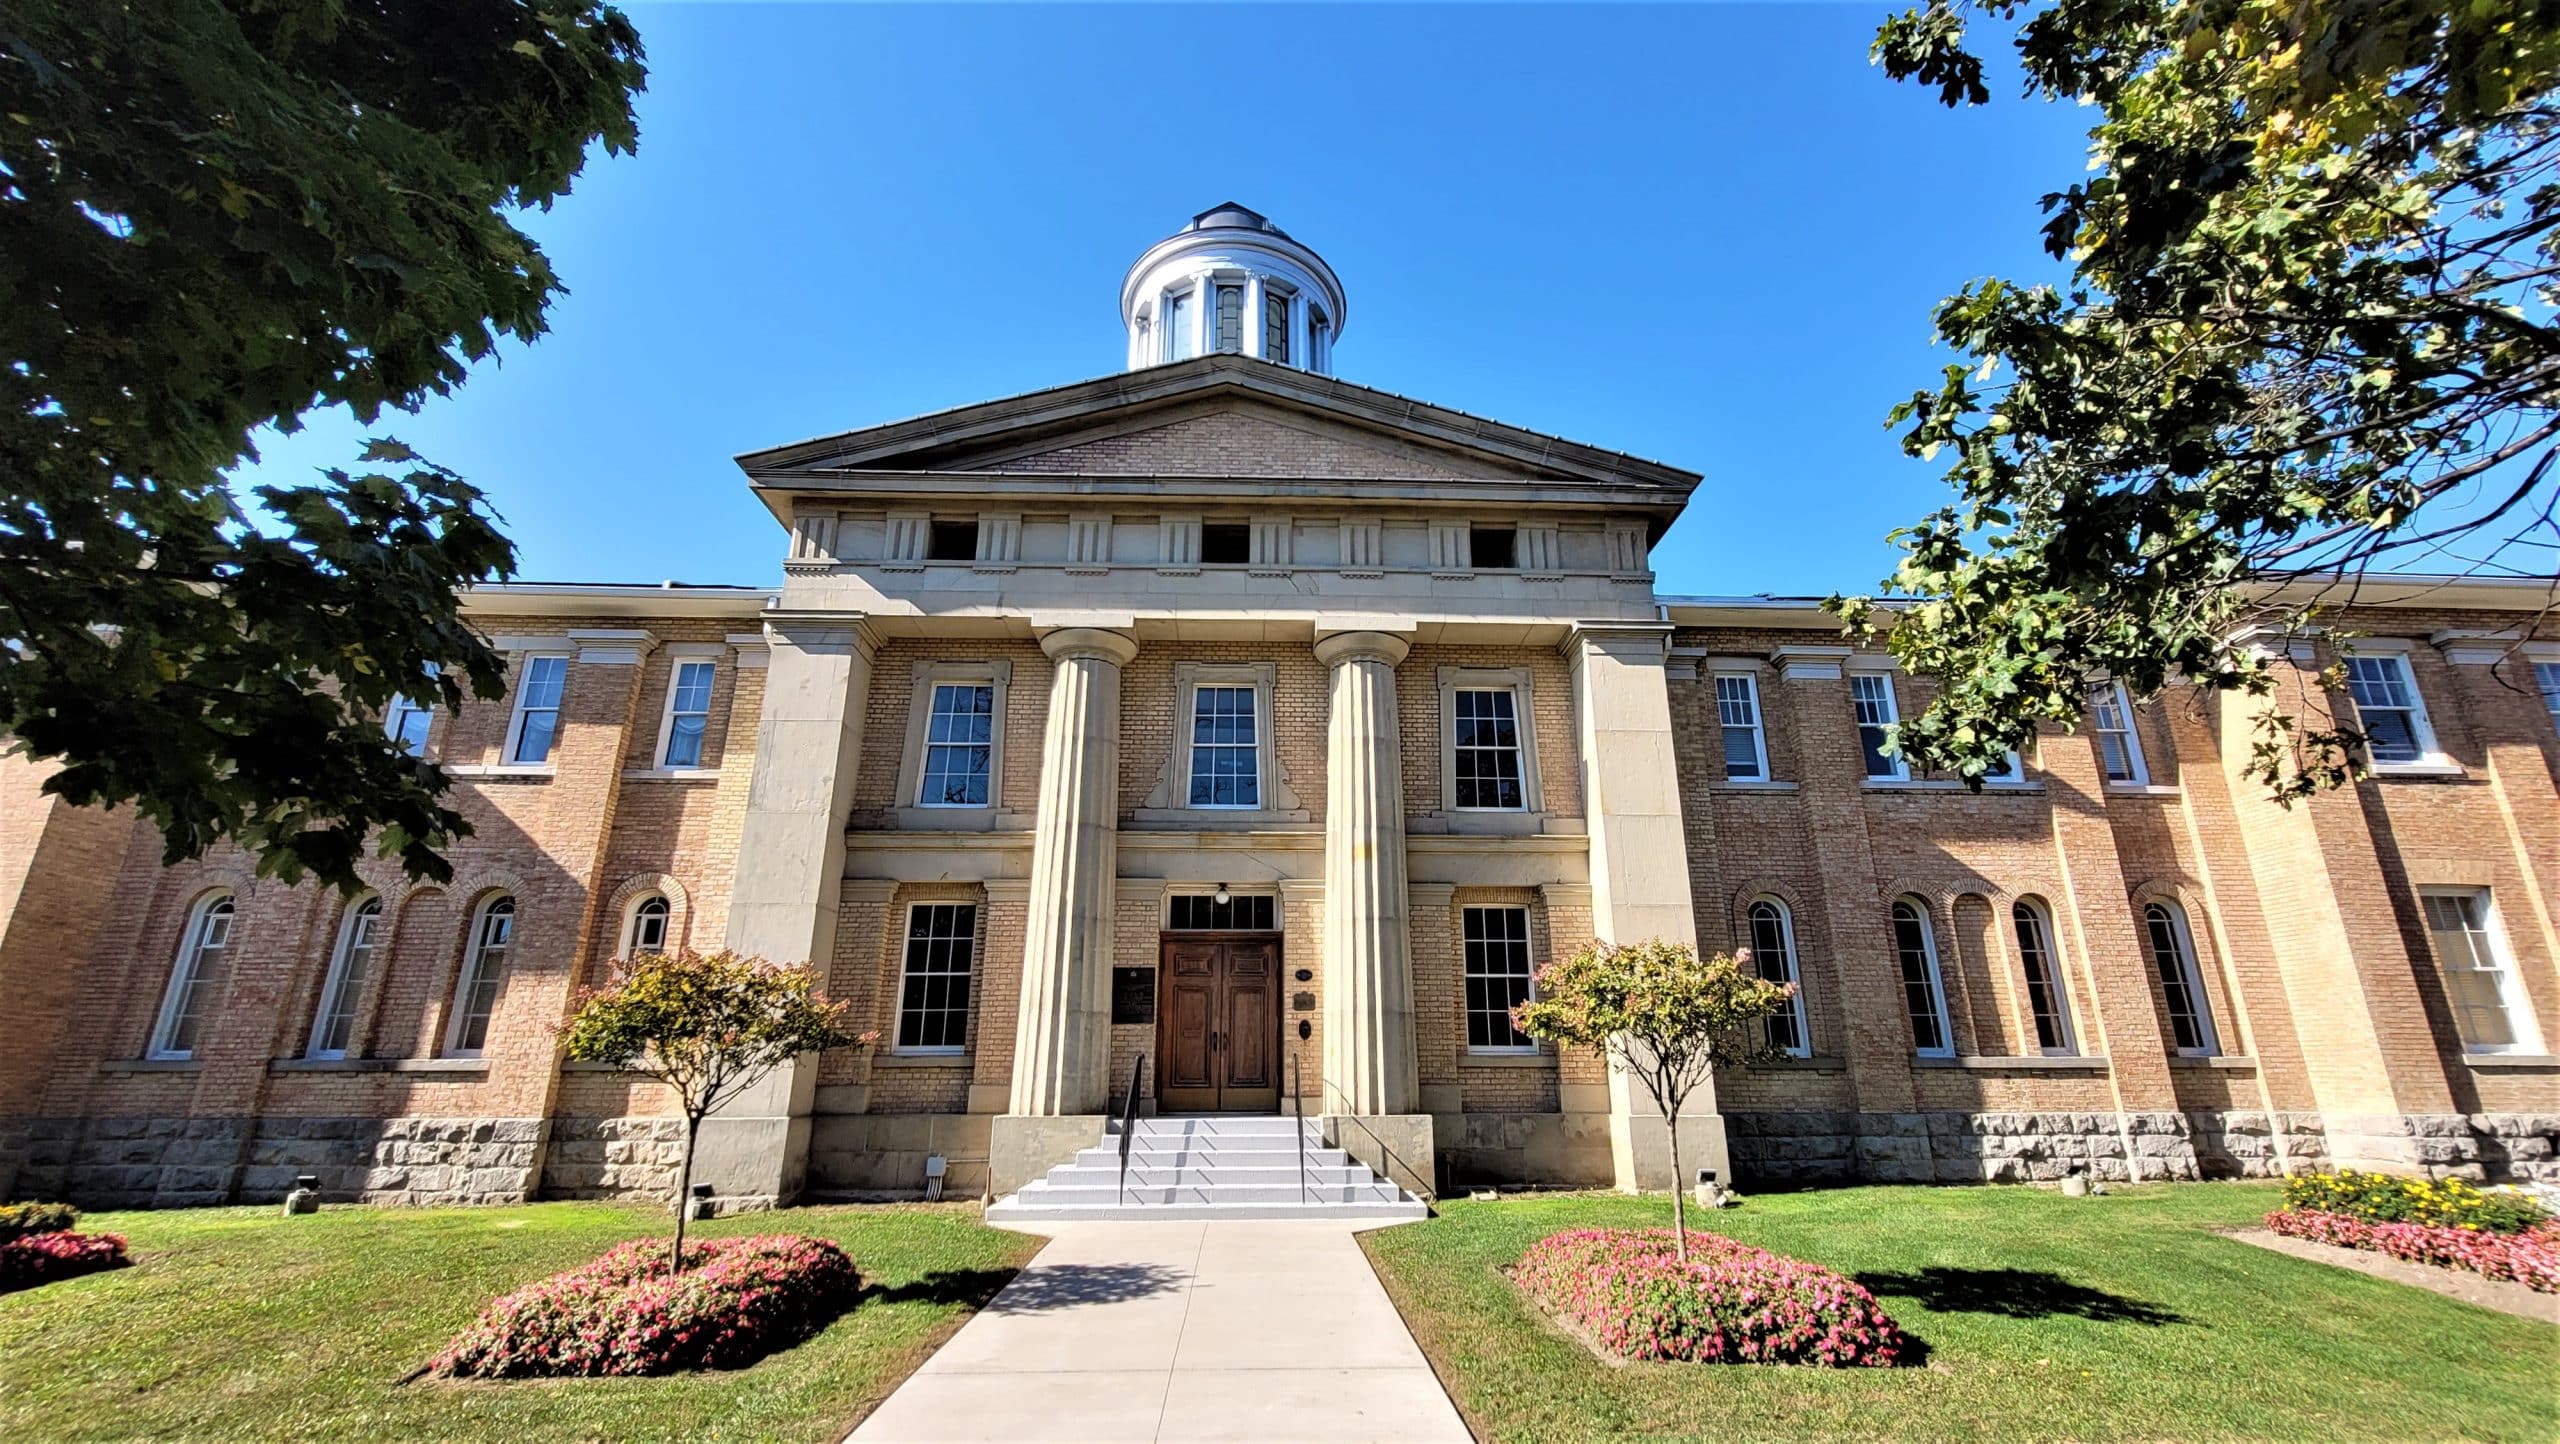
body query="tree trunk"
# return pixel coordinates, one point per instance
(1679, 1193)
(684, 1188)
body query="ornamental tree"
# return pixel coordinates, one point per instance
(2309, 329)
(215, 217)
(1663, 1014)
(709, 1026)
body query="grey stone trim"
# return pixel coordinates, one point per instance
(141, 1162)
(636, 1158)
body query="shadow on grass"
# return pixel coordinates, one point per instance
(2014, 1294)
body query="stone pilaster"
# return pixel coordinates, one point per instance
(1369, 1064)
(1639, 867)
(1062, 1034)
(783, 906)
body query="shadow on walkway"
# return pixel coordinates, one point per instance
(1041, 1288)
(944, 1286)
(2014, 1294)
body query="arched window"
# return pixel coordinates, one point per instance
(1773, 956)
(1924, 996)
(647, 932)
(2173, 959)
(193, 980)
(2047, 996)
(334, 1022)
(475, 996)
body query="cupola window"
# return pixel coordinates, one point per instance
(1179, 342)
(1231, 317)
(1275, 327)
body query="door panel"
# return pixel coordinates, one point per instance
(1217, 1039)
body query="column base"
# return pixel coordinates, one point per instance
(1640, 1150)
(1396, 1146)
(1025, 1146)
(751, 1162)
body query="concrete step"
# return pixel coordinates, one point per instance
(1013, 1209)
(1108, 1174)
(1069, 1195)
(1218, 1156)
(1254, 1126)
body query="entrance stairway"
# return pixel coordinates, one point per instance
(1199, 1168)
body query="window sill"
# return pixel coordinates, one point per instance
(961, 1059)
(1477, 822)
(1989, 789)
(2420, 771)
(378, 1065)
(1804, 1063)
(1474, 1059)
(504, 771)
(671, 774)
(2212, 1060)
(2517, 1062)
(1744, 784)
(119, 1067)
(1215, 819)
(2142, 789)
(2020, 1064)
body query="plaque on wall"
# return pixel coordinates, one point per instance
(1133, 995)
(1302, 1002)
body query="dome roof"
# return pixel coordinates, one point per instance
(1231, 216)
(1231, 281)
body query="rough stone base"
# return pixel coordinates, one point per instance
(633, 1158)
(2481, 1147)
(15, 1134)
(1552, 1148)
(881, 1155)
(2240, 1144)
(1836, 1146)
(1396, 1146)
(187, 1162)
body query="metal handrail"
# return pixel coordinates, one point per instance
(1129, 1123)
(1298, 1106)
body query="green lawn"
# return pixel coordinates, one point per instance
(238, 1324)
(2123, 1317)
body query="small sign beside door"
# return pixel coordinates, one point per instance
(1133, 995)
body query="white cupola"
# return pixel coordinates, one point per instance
(1231, 281)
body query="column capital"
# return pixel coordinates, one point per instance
(1007, 890)
(2476, 649)
(1339, 648)
(822, 631)
(611, 646)
(1810, 664)
(1645, 642)
(1068, 644)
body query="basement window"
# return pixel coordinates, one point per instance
(1226, 543)
(952, 541)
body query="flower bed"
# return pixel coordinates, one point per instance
(2388, 1198)
(2531, 1258)
(1728, 1303)
(737, 1300)
(37, 1246)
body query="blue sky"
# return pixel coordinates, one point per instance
(1706, 234)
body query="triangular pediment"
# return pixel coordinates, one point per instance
(1218, 416)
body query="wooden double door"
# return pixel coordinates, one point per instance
(1218, 1023)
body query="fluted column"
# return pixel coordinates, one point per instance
(1368, 968)
(1062, 1032)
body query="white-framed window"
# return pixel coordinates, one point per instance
(1226, 747)
(1924, 994)
(333, 1023)
(1746, 750)
(1241, 912)
(2489, 1007)
(2388, 708)
(959, 746)
(2119, 745)
(1773, 957)
(1871, 702)
(1181, 324)
(535, 727)
(406, 721)
(2546, 676)
(204, 947)
(1230, 317)
(1485, 749)
(2182, 995)
(688, 715)
(933, 988)
(1275, 324)
(2048, 996)
(645, 931)
(484, 965)
(1498, 973)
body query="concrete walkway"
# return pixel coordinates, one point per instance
(1267, 1331)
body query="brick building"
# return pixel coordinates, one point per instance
(1271, 729)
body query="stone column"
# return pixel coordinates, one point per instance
(1372, 1094)
(790, 873)
(1062, 1031)
(1639, 867)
